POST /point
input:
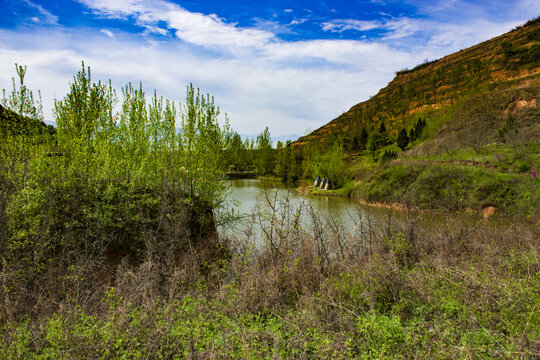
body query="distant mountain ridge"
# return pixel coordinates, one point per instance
(496, 63)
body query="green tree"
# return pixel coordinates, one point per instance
(21, 99)
(283, 157)
(382, 128)
(264, 154)
(236, 152)
(295, 167)
(355, 144)
(81, 115)
(419, 127)
(202, 145)
(402, 139)
(362, 140)
(375, 141)
(26, 117)
(135, 132)
(416, 131)
(508, 50)
(332, 165)
(412, 134)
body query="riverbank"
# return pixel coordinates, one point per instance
(242, 175)
(485, 213)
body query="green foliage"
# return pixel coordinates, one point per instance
(509, 128)
(21, 116)
(362, 140)
(21, 99)
(521, 56)
(84, 122)
(447, 188)
(416, 131)
(202, 143)
(508, 50)
(236, 152)
(375, 141)
(378, 337)
(328, 163)
(114, 181)
(264, 155)
(288, 167)
(402, 139)
(388, 154)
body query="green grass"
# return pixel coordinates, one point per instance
(451, 187)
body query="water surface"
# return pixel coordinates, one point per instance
(253, 196)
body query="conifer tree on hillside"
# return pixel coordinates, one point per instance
(412, 135)
(382, 128)
(363, 138)
(420, 125)
(402, 139)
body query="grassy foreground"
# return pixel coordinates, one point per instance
(408, 290)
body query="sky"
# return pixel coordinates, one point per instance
(291, 65)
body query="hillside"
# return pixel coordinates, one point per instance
(511, 60)
(13, 124)
(469, 134)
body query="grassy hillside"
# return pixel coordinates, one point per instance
(507, 61)
(479, 143)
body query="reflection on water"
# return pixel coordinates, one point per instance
(246, 191)
(252, 196)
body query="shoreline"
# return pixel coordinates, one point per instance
(488, 212)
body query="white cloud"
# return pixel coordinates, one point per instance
(196, 28)
(107, 32)
(298, 21)
(48, 18)
(457, 36)
(395, 28)
(342, 25)
(402, 27)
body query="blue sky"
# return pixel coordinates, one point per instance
(291, 65)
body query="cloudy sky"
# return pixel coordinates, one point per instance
(290, 65)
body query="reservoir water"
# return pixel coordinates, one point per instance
(255, 200)
(246, 192)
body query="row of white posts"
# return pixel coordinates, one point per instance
(323, 183)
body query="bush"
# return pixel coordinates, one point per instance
(388, 155)
(375, 141)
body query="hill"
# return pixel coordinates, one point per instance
(508, 61)
(469, 133)
(14, 124)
